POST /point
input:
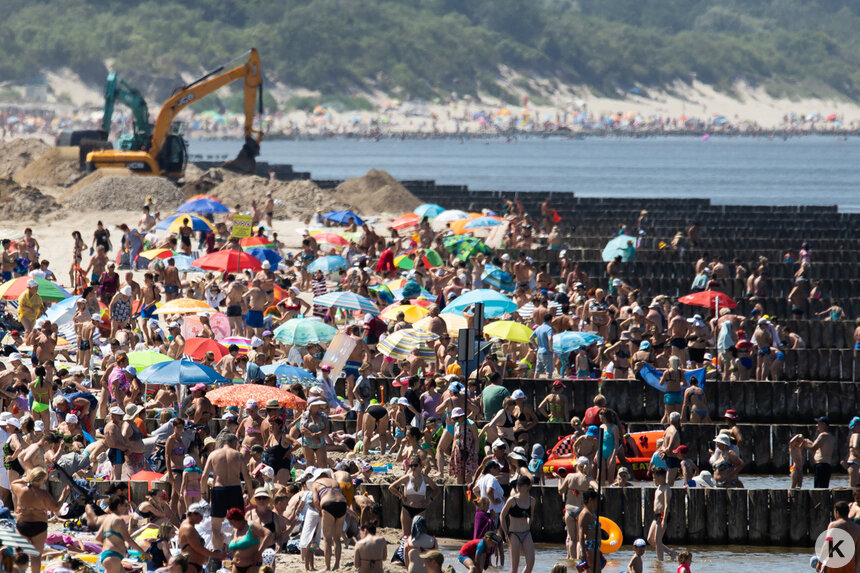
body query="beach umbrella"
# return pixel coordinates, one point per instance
(173, 223)
(304, 331)
(429, 210)
(405, 221)
(263, 255)
(61, 312)
(48, 290)
(256, 241)
(618, 246)
(495, 303)
(331, 239)
(288, 374)
(148, 476)
(383, 293)
(497, 278)
(185, 264)
(348, 235)
(145, 358)
(430, 258)
(528, 309)
(453, 323)
(400, 344)
(239, 394)
(12, 539)
(508, 330)
(228, 261)
(412, 312)
(343, 217)
(243, 343)
(183, 306)
(152, 254)
(483, 222)
(565, 342)
(328, 264)
(203, 205)
(708, 299)
(185, 372)
(197, 347)
(348, 301)
(450, 215)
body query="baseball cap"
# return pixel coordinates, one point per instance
(823, 420)
(518, 394)
(682, 449)
(558, 384)
(640, 543)
(198, 387)
(592, 431)
(131, 370)
(499, 443)
(325, 367)
(644, 345)
(731, 414)
(12, 421)
(173, 325)
(403, 401)
(262, 492)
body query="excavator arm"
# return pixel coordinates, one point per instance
(118, 90)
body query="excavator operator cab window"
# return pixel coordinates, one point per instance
(174, 154)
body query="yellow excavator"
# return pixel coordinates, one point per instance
(165, 153)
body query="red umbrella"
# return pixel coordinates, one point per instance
(331, 239)
(708, 299)
(255, 241)
(197, 348)
(146, 476)
(407, 220)
(239, 394)
(228, 261)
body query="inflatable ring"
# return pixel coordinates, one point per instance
(615, 538)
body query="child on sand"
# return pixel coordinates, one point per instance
(635, 564)
(795, 454)
(684, 560)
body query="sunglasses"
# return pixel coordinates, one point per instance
(414, 465)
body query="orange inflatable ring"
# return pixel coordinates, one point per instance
(615, 537)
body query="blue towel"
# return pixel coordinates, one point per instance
(652, 376)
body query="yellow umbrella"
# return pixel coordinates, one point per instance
(195, 222)
(411, 312)
(508, 330)
(454, 322)
(184, 306)
(156, 254)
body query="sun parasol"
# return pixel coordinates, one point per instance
(145, 358)
(183, 306)
(304, 331)
(708, 299)
(328, 264)
(483, 222)
(173, 223)
(152, 254)
(256, 241)
(331, 239)
(239, 394)
(146, 476)
(494, 302)
(405, 221)
(183, 372)
(202, 205)
(348, 301)
(244, 344)
(618, 247)
(569, 341)
(343, 217)
(429, 210)
(288, 374)
(450, 215)
(228, 261)
(412, 312)
(49, 291)
(263, 254)
(197, 348)
(508, 330)
(399, 345)
(430, 258)
(527, 310)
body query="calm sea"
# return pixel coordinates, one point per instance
(801, 170)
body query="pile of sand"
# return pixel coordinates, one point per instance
(376, 193)
(116, 192)
(17, 202)
(18, 153)
(58, 167)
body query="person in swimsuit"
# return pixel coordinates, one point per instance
(695, 403)
(192, 475)
(314, 427)
(250, 430)
(571, 488)
(611, 442)
(248, 542)
(519, 508)
(114, 536)
(331, 503)
(588, 531)
(190, 542)
(525, 419)
(278, 451)
(661, 514)
(371, 551)
(673, 381)
(503, 421)
(475, 554)
(555, 405)
(263, 514)
(416, 492)
(852, 463)
(12, 447)
(175, 452)
(120, 309)
(154, 510)
(33, 503)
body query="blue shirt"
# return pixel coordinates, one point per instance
(542, 334)
(658, 462)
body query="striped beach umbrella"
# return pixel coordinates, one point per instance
(13, 539)
(347, 301)
(304, 331)
(243, 343)
(527, 310)
(399, 345)
(48, 290)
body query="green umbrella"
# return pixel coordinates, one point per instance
(304, 331)
(145, 358)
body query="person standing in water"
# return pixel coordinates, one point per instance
(661, 514)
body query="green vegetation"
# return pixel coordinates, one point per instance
(427, 48)
(10, 95)
(337, 102)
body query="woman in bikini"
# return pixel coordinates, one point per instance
(33, 503)
(416, 492)
(192, 475)
(329, 501)
(250, 430)
(175, 453)
(555, 405)
(571, 488)
(852, 464)
(42, 393)
(154, 510)
(314, 428)
(375, 421)
(248, 542)
(114, 536)
(414, 447)
(519, 508)
(504, 420)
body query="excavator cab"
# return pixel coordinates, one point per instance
(173, 156)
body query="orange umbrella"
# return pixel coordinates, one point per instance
(407, 220)
(239, 394)
(184, 306)
(197, 348)
(459, 226)
(146, 476)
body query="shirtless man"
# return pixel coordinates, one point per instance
(523, 271)
(7, 262)
(266, 279)
(201, 406)
(269, 208)
(414, 363)
(571, 488)
(371, 551)
(176, 347)
(228, 468)
(256, 300)
(436, 325)
(695, 406)
(678, 337)
(113, 439)
(190, 541)
(86, 332)
(763, 341)
(234, 292)
(671, 440)
(170, 278)
(146, 222)
(227, 365)
(661, 514)
(359, 355)
(98, 264)
(822, 449)
(42, 453)
(44, 341)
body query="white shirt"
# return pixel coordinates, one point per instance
(487, 483)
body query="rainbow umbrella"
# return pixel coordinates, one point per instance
(244, 344)
(184, 306)
(256, 241)
(48, 290)
(152, 254)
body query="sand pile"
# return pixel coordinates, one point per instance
(376, 193)
(18, 153)
(113, 192)
(58, 167)
(17, 202)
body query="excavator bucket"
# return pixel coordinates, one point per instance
(246, 161)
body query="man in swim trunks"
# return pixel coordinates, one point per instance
(170, 278)
(256, 300)
(671, 440)
(763, 341)
(190, 542)
(841, 521)
(229, 471)
(678, 337)
(114, 440)
(822, 449)
(360, 354)
(234, 292)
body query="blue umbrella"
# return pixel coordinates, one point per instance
(565, 342)
(61, 312)
(328, 264)
(347, 300)
(482, 222)
(185, 372)
(398, 294)
(202, 205)
(495, 303)
(289, 374)
(428, 210)
(197, 224)
(343, 217)
(265, 255)
(304, 331)
(618, 247)
(181, 262)
(497, 278)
